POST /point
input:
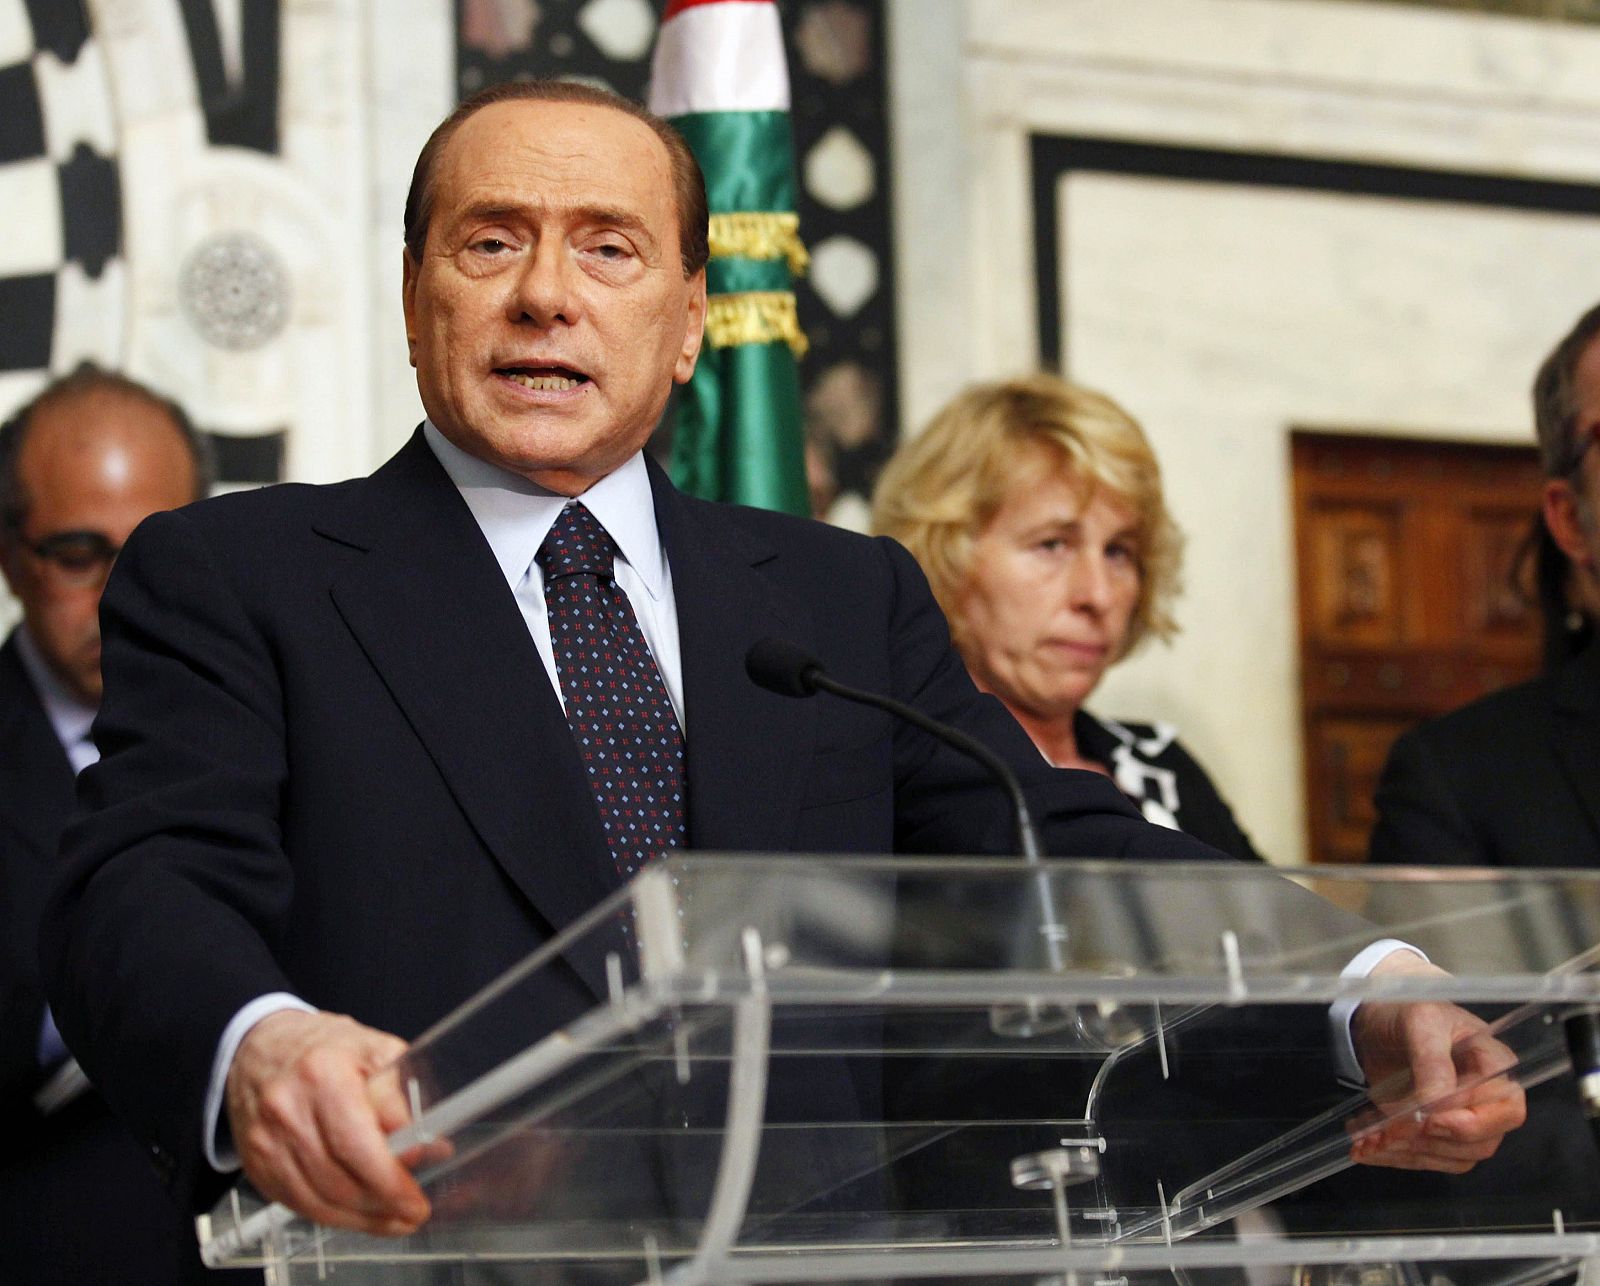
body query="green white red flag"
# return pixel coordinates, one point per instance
(720, 77)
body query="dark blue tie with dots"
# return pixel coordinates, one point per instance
(617, 704)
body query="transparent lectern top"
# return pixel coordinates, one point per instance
(747, 1069)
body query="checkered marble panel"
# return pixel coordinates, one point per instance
(63, 264)
(60, 261)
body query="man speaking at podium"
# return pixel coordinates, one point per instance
(359, 740)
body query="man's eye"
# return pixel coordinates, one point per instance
(490, 245)
(610, 250)
(77, 552)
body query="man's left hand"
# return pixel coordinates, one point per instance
(1439, 1067)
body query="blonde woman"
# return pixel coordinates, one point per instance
(1035, 508)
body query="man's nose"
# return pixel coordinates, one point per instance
(544, 291)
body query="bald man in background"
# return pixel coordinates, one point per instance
(81, 465)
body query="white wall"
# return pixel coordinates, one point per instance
(1223, 316)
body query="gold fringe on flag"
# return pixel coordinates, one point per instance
(755, 317)
(759, 234)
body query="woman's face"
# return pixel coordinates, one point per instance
(1049, 595)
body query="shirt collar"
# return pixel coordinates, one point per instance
(69, 714)
(515, 514)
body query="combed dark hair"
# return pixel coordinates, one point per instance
(1555, 399)
(88, 378)
(689, 185)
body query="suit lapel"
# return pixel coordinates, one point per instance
(431, 609)
(36, 788)
(1575, 730)
(742, 744)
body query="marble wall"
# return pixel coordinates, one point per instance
(209, 197)
(249, 159)
(1224, 314)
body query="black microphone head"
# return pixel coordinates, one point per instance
(781, 667)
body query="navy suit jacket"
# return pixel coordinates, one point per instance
(335, 765)
(1512, 779)
(79, 1200)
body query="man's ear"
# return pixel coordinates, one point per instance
(1565, 524)
(408, 297)
(694, 331)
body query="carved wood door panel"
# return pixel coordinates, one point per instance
(1404, 553)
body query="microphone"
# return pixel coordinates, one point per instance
(781, 667)
(790, 671)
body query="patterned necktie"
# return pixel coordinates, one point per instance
(617, 704)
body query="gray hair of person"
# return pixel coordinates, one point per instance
(89, 379)
(688, 183)
(1555, 399)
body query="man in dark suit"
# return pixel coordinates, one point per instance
(1514, 778)
(354, 763)
(81, 465)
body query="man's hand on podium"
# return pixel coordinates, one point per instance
(309, 1118)
(1415, 1054)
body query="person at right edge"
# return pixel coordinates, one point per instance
(1513, 779)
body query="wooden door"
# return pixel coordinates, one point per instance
(1405, 553)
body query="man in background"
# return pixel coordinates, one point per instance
(1513, 779)
(81, 465)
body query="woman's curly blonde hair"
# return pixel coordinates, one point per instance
(943, 486)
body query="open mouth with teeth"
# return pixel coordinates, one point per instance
(543, 379)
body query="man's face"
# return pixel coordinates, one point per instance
(549, 316)
(98, 462)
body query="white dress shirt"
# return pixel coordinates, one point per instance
(515, 515)
(71, 717)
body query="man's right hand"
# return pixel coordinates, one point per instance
(309, 1120)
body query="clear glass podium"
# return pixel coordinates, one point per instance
(1088, 1073)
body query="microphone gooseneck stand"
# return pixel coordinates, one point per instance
(779, 666)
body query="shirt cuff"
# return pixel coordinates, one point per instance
(218, 1143)
(1341, 1012)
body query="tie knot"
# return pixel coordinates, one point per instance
(577, 545)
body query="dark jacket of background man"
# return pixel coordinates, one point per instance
(1514, 778)
(80, 1201)
(78, 1197)
(1511, 780)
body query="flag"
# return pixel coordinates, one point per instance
(719, 76)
